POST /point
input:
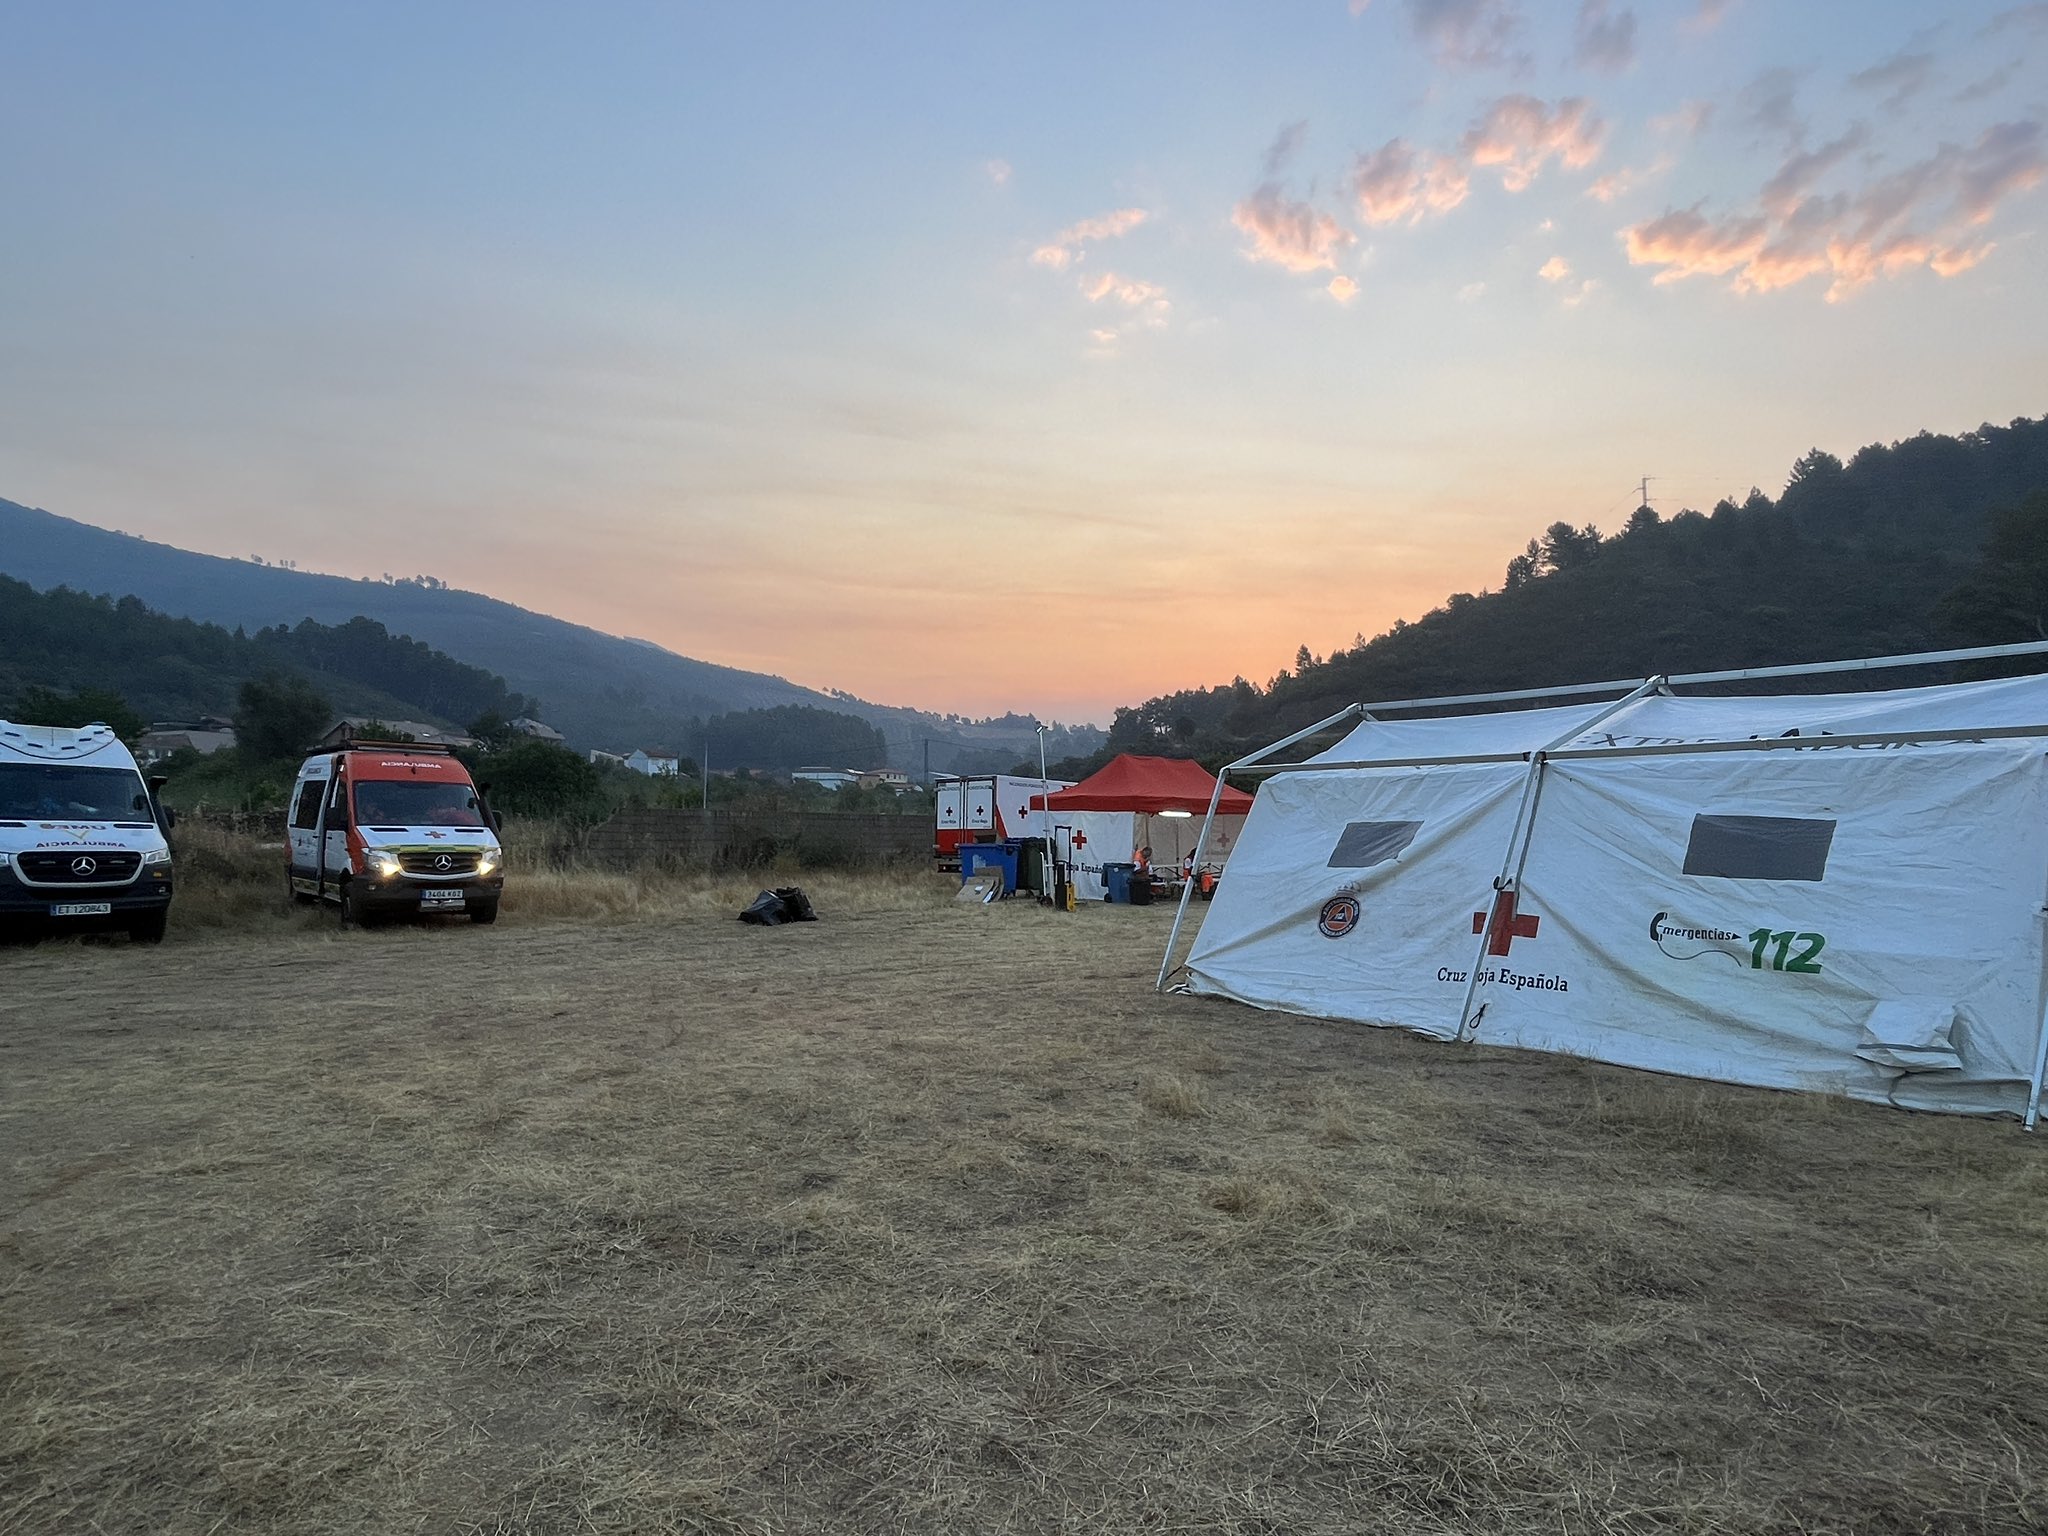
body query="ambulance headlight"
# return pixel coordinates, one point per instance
(157, 856)
(490, 860)
(385, 866)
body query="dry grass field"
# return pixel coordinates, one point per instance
(623, 1217)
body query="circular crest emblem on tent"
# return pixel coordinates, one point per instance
(1340, 916)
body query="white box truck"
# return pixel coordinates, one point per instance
(986, 808)
(81, 834)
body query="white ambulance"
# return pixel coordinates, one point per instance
(81, 835)
(393, 829)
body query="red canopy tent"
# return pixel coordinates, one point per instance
(1150, 784)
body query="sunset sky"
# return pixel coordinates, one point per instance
(1039, 357)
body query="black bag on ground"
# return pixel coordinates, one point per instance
(785, 904)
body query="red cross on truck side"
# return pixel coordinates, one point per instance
(1508, 924)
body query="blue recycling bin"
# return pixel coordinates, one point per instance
(1117, 878)
(977, 857)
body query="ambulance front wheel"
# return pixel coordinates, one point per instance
(487, 913)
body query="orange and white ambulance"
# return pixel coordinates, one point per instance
(390, 829)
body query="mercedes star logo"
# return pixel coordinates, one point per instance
(441, 861)
(84, 865)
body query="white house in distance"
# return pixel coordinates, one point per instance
(656, 764)
(206, 735)
(834, 779)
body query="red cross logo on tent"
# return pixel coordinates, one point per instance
(1080, 839)
(1508, 924)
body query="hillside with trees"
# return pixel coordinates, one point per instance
(170, 668)
(1933, 542)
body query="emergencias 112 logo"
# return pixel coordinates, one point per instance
(1760, 949)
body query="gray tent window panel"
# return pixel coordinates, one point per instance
(1366, 843)
(1760, 847)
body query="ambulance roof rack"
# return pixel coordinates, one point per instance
(362, 743)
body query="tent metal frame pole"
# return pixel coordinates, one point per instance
(1869, 663)
(1187, 889)
(1960, 735)
(1517, 854)
(1270, 770)
(1943, 735)
(1530, 780)
(1732, 675)
(2033, 1114)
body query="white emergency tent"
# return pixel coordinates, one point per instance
(1832, 892)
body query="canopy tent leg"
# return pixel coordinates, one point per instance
(1208, 821)
(1187, 886)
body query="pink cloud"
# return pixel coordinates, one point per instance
(1555, 270)
(1060, 251)
(1918, 217)
(1520, 136)
(1128, 291)
(1289, 234)
(1686, 244)
(1397, 181)
(1343, 289)
(1612, 185)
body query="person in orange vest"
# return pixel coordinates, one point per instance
(1143, 859)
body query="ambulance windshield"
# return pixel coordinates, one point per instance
(416, 803)
(67, 792)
